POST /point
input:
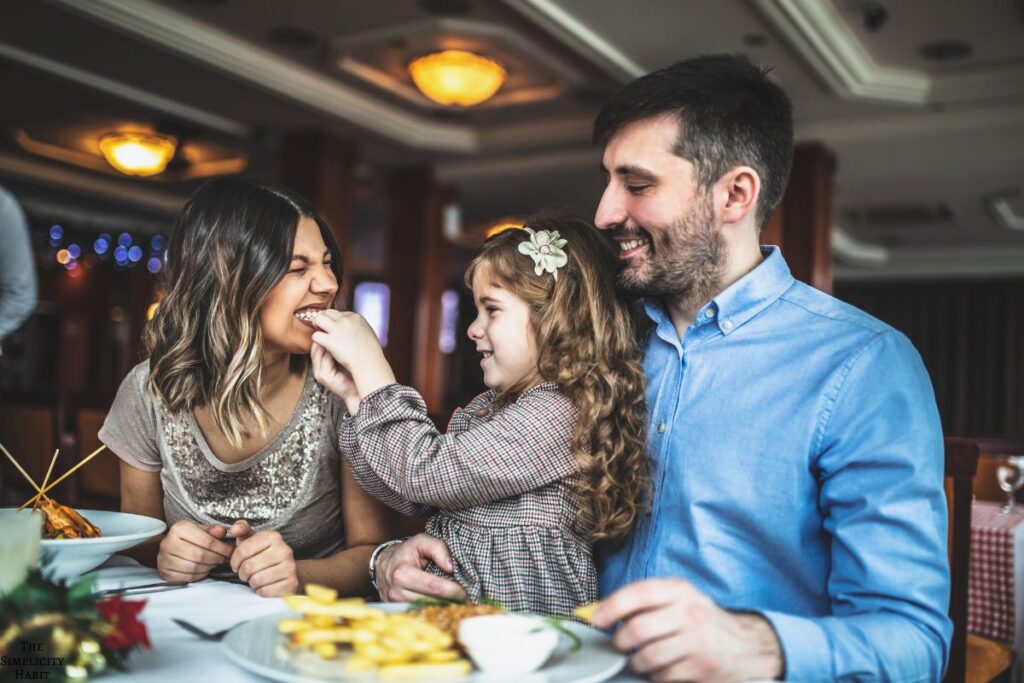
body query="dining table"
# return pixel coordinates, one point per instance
(211, 605)
(995, 576)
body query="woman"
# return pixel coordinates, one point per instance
(223, 432)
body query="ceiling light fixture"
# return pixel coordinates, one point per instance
(457, 77)
(139, 154)
(503, 225)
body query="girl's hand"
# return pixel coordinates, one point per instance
(189, 551)
(264, 561)
(353, 344)
(333, 376)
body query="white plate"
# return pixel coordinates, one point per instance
(258, 647)
(69, 558)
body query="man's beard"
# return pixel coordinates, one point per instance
(684, 261)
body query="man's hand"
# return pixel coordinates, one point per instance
(400, 571)
(676, 633)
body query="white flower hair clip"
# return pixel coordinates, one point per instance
(545, 248)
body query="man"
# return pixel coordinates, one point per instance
(17, 270)
(798, 520)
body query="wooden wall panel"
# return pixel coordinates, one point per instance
(970, 335)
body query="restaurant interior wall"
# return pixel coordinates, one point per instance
(970, 334)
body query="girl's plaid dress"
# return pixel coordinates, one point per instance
(500, 483)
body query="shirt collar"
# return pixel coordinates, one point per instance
(742, 300)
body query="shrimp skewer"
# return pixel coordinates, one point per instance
(59, 521)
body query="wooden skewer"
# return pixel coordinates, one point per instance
(49, 471)
(43, 492)
(23, 472)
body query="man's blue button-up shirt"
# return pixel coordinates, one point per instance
(798, 472)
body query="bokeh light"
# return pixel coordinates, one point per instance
(135, 254)
(124, 239)
(154, 264)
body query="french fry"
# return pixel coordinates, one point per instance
(441, 656)
(351, 608)
(399, 647)
(288, 626)
(323, 593)
(326, 650)
(340, 634)
(586, 613)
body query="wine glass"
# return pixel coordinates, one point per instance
(1010, 476)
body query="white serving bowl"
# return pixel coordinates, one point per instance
(507, 644)
(69, 558)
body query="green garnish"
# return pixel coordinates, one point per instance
(559, 625)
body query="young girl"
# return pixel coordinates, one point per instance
(547, 461)
(224, 422)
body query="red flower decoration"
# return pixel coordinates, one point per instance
(123, 615)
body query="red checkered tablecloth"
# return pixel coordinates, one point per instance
(990, 579)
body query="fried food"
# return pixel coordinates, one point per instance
(447, 617)
(61, 521)
(398, 647)
(586, 613)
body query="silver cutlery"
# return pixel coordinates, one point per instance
(143, 589)
(214, 636)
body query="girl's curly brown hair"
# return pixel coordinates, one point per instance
(587, 344)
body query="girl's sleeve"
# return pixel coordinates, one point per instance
(131, 427)
(523, 447)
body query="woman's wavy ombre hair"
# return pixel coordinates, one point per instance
(231, 244)
(587, 344)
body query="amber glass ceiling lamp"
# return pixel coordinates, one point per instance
(457, 77)
(138, 154)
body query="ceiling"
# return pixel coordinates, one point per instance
(930, 152)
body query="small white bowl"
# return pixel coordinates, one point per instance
(507, 644)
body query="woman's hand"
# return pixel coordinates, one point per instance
(264, 561)
(353, 345)
(189, 551)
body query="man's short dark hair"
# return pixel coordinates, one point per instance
(730, 115)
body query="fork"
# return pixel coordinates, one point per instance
(215, 636)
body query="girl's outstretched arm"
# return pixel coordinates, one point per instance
(392, 443)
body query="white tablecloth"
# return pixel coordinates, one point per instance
(178, 656)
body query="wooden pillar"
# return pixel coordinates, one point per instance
(802, 224)
(318, 166)
(417, 267)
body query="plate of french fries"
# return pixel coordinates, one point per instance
(327, 638)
